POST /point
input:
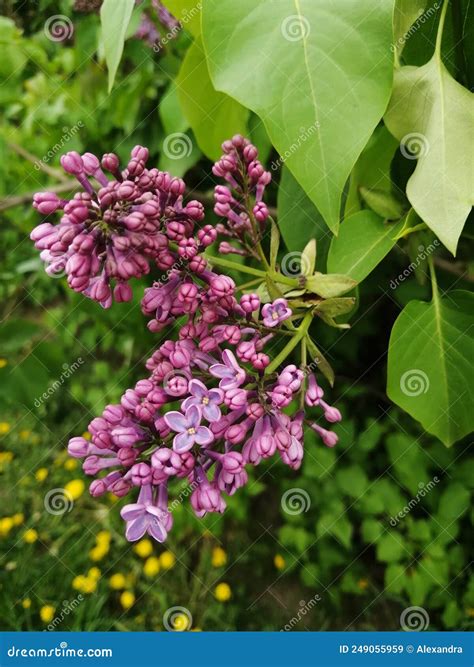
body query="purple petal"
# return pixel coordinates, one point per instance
(211, 412)
(191, 400)
(197, 389)
(136, 528)
(193, 416)
(176, 421)
(183, 442)
(230, 360)
(203, 435)
(157, 530)
(215, 396)
(132, 511)
(221, 371)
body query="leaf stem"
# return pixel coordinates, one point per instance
(434, 281)
(300, 333)
(439, 36)
(274, 275)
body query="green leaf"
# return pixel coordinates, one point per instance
(390, 548)
(336, 524)
(405, 13)
(329, 285)
(395, 576)
(454, 502)
(363, 241)
(188, 12)
(274, 244)
(299, 220)
(114, 17)
(372, 169)
(431, 115)
(352, 480)
(213, 116)
(337, 306)
(318, 74)
(383, 203)
(308, 258)
(171, 114)
(431, 364)
(372, 530)
(318, 358)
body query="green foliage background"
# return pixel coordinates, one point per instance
(349, 547)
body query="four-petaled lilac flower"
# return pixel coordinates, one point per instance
(189, 429)
(207, 399)
(145, 517)
(276, 312)
(230, 373)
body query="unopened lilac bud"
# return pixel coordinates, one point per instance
(250, 303)
(260, 212)
(78, 447)
(91, 163)
(46, 202)
(140, 153)
(122, 292)
(329, 438)
(110, 162)
(72, 163)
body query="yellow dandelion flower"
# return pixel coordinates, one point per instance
(70, 464)
(151, 566)
(144, 548)
(18, 519)
(3, 362)
(4, 428)
(470, 612)
(6, 457)
(279, 562)
(75, 488)
(24, 434)
(117, 581)
(30, 536)
(86, 435)
(26, 603)
(103, 537)
(41, 474)
(167, 560)
(222, 592)
(89, 585)
(47, 613)
(98, 552)
(94, 572)
(127, 599)
(6, 524)
(79, 582)
(180, 622)
(362, 584)
(218, 557)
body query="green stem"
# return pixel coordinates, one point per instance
(439, 36)
(243, 268)
(434, 281)
(300, 333)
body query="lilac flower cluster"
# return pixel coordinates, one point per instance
(108, 235)
(214, 402)
(242, 203)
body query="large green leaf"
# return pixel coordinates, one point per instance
(431, 114)
(363, 242)
(431, 364)
(213, 116)
(188, 12)
(319, 75)
(114, 17)
(299, 220)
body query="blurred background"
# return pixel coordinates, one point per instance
(374, 527)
